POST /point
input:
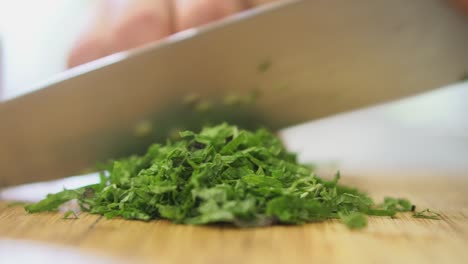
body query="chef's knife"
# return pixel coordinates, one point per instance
(300, 59)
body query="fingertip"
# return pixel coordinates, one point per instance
(92, 43)
(88, 48)
(462, 5)
(138, 28)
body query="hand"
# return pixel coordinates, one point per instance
(119, 25)
(462, 4)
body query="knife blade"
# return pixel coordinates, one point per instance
(323, 57)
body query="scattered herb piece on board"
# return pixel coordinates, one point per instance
(222, 175)
(70, 214)
(427, 214)
(354, 220)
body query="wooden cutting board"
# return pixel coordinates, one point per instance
(385, 240)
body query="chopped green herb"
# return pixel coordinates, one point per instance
(427, 214)
(264, 66)
(251, 97)
(222, 175)
(203, 106)
(70, 214)
(143, 129)
(247, 99)
(354, 220)
(53, 201)
(397, 204)
(174, 134)
(232, 99)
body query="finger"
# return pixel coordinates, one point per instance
(462, 4)
(92, 43)
(137, 22)
(192, 13)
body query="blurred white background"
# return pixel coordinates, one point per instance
(36, 37)
(424, 134)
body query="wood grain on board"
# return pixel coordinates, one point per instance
(385, 240)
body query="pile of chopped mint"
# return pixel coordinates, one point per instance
(222, 175)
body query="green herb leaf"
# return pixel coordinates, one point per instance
(53, 201)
